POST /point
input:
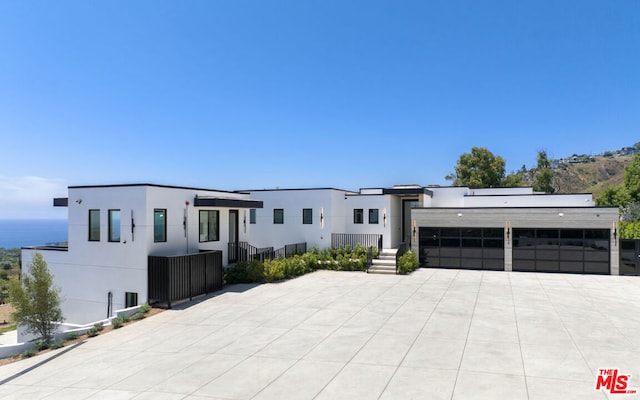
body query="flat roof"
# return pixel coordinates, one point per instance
(223, 202)
(148, 184)
(291, 189)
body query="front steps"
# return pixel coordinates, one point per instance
(385, 263)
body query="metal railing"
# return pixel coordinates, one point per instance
(243, 251)
(353, 239)
(369, 258)
(402, 248)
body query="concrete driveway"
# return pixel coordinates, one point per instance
(436, 334)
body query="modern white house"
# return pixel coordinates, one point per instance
(126, 242)
(113, 230)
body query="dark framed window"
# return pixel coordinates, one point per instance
(252, 216)
(358, 215)
(94, 225)
(278, 216)
(114, 225)
(209, 223)
(373, 215)
(307, 216)
(159, 225)
(130, 299)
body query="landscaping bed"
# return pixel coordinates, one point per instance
(72, 339)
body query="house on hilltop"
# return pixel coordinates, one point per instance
(127, 243)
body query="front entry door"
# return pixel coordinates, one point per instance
(233, 235)
(407, 205)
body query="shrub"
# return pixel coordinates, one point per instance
(137, 316)
(57, 345)
(28, 353)
(407, 263)
(145, 308)
(311, 259)
(42, 345)
(117, 322)
(245, 272)
(273, 270)
(72, 335)
(95, 329)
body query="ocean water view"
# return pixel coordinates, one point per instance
(31, 232)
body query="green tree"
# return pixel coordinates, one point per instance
(36, 300)
(632, 179)
(543, 179)
(513, 180)
(613, 196)
(479, 169)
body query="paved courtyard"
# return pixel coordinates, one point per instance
(436, 334)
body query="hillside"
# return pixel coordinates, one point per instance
(590, 177)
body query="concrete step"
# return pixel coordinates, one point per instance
(382, 269)
(377, 261)
(387, 257)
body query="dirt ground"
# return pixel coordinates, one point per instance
(5, 311)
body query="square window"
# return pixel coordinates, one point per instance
(373, 215)
(209, 230)
(159, 225)
(278, 216)
(252, 216)
(94, 225)
(130, 299)
(307, 216)
(358, 215)
(114, 225)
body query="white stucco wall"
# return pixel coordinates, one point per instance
(88, 271)
(264, 233)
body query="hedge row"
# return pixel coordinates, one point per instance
(343, 259)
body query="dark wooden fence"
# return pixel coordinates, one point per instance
(182, 277)
(352, 239)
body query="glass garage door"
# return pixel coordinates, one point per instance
(466, 248)
(561, 250)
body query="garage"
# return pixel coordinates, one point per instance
(562, 250)
(462, 248)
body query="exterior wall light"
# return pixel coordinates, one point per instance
(459, 214)
(614, 229)
(384, 217)
(508, 230)
(321, 218)
(414, 230)
(560, 214)
(244, 221)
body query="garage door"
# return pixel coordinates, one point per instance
(467, 248)
(561, 250)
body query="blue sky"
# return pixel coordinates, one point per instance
(262, 94)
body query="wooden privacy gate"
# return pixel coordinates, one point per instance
(173, 278)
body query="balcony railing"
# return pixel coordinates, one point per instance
(353, 239)
(243, 251)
